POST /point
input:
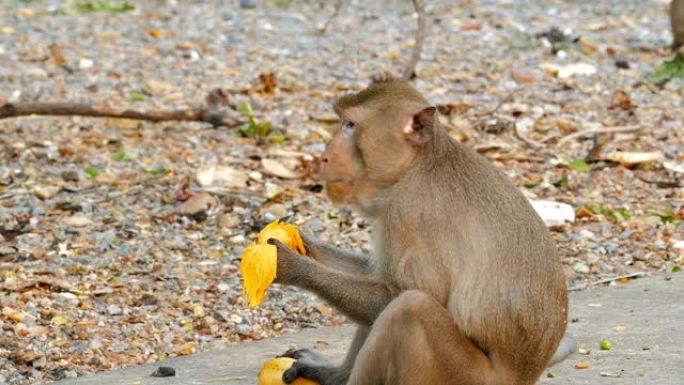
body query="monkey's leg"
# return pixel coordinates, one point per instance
(310, 365)
(336, 258)
(415, 341)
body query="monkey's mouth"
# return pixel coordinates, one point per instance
(338, 190)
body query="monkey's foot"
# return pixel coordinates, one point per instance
(311, 365)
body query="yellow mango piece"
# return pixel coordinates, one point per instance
(259, 265)
(272, 373)
(260, 261)
(287, 234)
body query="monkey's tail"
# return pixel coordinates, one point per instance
(567, 346)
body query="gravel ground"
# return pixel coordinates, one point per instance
(121, 240)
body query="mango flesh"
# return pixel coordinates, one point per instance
(272, 373)
(260, 261)
(259, 267)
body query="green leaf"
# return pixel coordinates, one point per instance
(121, 155)
(262, 129)
(245, 108)
(562, 182)
(669, 70)
(676, 269)
(104, 6)
(621, 214)
(136, 96)
(579, 165)
(154, 171)
(276, 137)
(666, 215)
(92, 172)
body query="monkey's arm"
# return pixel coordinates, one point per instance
(336, 258)
(361, 298)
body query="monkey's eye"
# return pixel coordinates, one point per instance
(348, 126)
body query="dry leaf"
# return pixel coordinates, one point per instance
(199, 203)
(222, 176)
(57, 55)
(568, 71)
(554, 213)
(582, 365)
(324, 310)
(77, 220)
(59, 320)
(633, 158)
(155, 33)
(186, 349)
(275, 168)
(584, 212)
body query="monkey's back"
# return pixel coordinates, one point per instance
(474, 224)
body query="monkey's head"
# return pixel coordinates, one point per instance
(384, 129)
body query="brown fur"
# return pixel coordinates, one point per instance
(465, 285)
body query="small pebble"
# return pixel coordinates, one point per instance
(114, 310)
(85, 63)
(164, 371)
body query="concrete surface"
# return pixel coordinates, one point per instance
(643, 319)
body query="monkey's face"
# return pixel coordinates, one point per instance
(383, 129)
(341, 163)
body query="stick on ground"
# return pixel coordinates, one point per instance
(607, 130)
(338, 7)
(410, 69)
(206, 115)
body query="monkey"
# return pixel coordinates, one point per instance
(464, 285)
(677, 22)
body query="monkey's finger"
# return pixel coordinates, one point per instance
(283, 249)
(292, 373)
(290, 353)
(276, 243)
(307, 355)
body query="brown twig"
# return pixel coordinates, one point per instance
(506, 99)
(637, 274)
(607, 130)
(600, 143)
(338, 8)
(410, 69)
(207, 115)
(528, 141)
(619, 277)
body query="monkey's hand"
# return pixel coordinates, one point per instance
(292, 266)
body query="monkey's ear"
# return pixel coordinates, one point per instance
(418, 130)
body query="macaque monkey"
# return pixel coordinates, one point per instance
(464, 286)
(677, 20)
